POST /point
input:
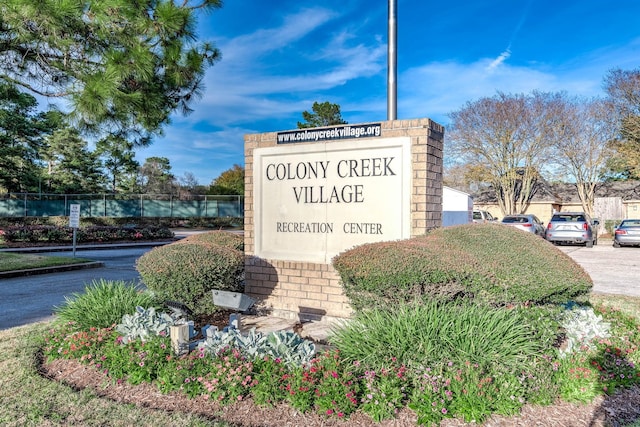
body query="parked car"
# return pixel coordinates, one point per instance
(627, 233)
(528, 223)
(483, 216)
(572, 227)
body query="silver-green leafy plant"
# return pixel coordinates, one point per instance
(582, 326)
(144, 324)
(290, 348)
(287, 346)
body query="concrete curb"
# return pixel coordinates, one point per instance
(52, 269)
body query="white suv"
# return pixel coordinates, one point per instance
(482, 217)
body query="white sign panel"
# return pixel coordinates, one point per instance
(314, 201)
(74, 216)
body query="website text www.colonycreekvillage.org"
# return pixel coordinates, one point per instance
(337, 132)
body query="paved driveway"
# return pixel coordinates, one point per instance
(32, 298)
(613, 270)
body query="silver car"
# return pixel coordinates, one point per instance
(627, 233)
(572, 227)
(528, 223)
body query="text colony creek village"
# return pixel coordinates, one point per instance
(326, 169)
(329, 194)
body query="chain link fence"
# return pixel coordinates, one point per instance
(119, 205)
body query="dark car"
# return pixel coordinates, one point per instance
(572, 227)
(627, 233)
(528, 223)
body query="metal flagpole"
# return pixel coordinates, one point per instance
(392, 62)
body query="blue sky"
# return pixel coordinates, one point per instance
(280, 57)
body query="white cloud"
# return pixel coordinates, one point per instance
(435, 89)
(499, 60)
(243, 85)
(248, 47)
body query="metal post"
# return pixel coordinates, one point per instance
(392, 62)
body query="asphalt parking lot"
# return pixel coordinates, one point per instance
(613, 270)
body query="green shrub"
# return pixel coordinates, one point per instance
(433, 332)
(87, 221)
(103, 304)
(488, 263)
(610, 226)
(217, 237)
(64, 234)
(188, 272)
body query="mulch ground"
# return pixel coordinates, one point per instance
(618, 410)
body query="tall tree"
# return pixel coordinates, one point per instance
(583, 145)
(22, 130)
(324, 114)
(189, 186)
(623, 89)
(230, 181)
(156, 176)
(124, 66)
(71, 167)
(118, 159)
(507, 138)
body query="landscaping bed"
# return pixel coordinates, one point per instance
(465, 344)
(617, 410)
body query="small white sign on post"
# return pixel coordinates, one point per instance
(74, 222)
(74, 216)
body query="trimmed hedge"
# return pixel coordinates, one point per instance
(488, 263)
(188, 272)
(141, 222)
(57, 234)
(217, 237)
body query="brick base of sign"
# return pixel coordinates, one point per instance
(310, 291)
(296, 290)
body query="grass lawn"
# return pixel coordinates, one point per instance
(13, 261)
(28, 399)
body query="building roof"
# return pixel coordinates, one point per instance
(566, 192)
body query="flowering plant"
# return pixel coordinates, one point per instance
(68, 343)
(137, 361)
(578, 382)
(384, 391)
(270, 375)
(336, 387)
(466, 389)
(230, 377)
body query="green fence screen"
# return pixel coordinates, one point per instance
(109, 205)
